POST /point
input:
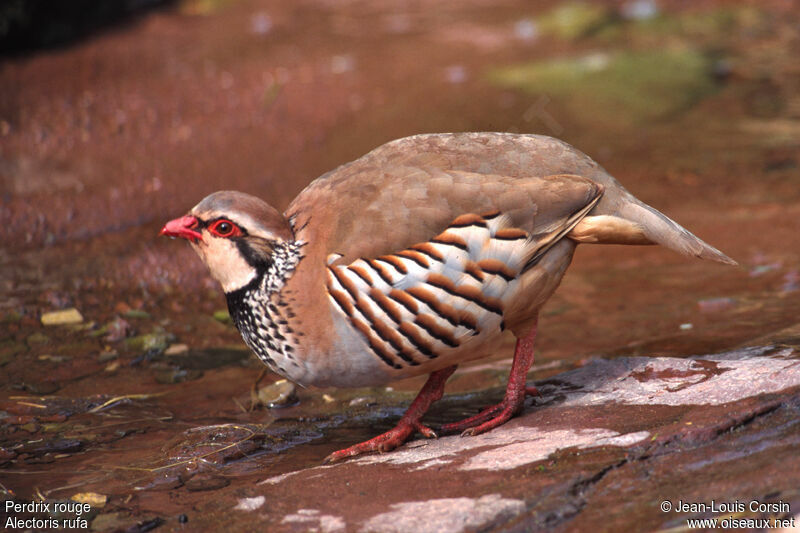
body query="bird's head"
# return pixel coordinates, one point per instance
(234, 233)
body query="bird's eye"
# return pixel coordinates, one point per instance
(225, 228)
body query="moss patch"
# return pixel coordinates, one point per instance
(574, 20)
(714, 24)
(638, 86)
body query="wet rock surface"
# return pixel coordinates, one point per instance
(663, 379)
(581, 457)
(607, 442)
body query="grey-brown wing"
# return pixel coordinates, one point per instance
(380, 211)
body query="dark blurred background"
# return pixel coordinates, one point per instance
(30, 25)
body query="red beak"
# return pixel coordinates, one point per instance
(182, 227)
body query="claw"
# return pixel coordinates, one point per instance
(427, 432)
(431, 391)
(514, 399)
(335, 457)
(490, 418)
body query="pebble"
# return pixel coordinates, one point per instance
(176, 349)
(92, 498)
(279, 394)
(37, 338)
(456, 74)
(60, 318)
(107, 356)
(222, 316)
(362, 400)
(250, 504)
(759, 270)
(116, 330)
(54, 358)
(260, 23)
(154, 343)
(526, 30)
(640, 10)
(136, 313)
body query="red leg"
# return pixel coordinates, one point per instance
(513, 401)
(408, 424)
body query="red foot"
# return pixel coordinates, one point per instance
(431, 392)
(512, 403)
(499, 413)
(383, 443)
(488, 419)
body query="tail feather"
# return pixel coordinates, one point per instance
(662, 230)
(626, 220)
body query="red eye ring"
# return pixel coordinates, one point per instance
(225, 228)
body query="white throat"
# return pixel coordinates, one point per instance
(226, 264)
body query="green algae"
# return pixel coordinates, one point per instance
(633, 86)
(574, 20)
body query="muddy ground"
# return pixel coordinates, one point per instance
(663, 378)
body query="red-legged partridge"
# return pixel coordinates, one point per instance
(414, 258)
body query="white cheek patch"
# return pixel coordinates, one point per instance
(225, 262)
